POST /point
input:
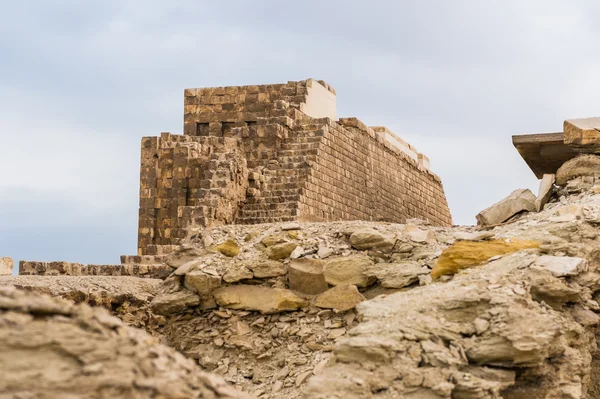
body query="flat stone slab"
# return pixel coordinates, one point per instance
(545, 152)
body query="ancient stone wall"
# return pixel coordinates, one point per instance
(60, 268)
(274, 153)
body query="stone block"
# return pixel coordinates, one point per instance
(583, 134)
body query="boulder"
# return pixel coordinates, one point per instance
(348, 270)
(201, 282)
(397, 275)
(518, 201)
(464, 254)
(583, 165)
(306, 275)
(262, 299)
(6, 266)
(266, 268)
(340, 298)
(169, 303)
(229, 248)
(281, 251)
(545, 191)
(561, 266)
(368, 239)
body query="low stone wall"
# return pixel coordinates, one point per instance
(60, 268)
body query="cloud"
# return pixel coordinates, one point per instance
(82, 82)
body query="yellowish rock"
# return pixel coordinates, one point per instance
(229, 248)
(263, 299)
(272, 240)
(340, 298)
(348, 270)
(281, 251)
(465, 254)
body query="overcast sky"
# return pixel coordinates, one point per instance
(82, 81)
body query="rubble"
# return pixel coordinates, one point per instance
(517, 201)
(50, 347)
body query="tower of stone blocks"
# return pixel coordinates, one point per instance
(275, 153)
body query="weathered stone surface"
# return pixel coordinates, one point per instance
(272, 240)
(324, 252)
(266, 268)
(169, 303)
(296, 253)
(202, 282)
(397, 275)
(583, 134)
(6, 266)
(341, 298)
(290, 226)
(583, 165)
(348, 270)
(281, 251)
(561, 266)
(545, 191)
(473, 236)
(263, 299)
(229, 248)
(517, 201)
(237, 273)
(306, 275)
(417, 234)
(464, 254)
(365, 239)
(50, 348)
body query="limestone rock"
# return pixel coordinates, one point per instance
(229, 248)
(475, 236)
(561, 266)
(517, 201)
(348, 270)
(184, 255)
(201, 282)
(169, 303)
(397, 275)
(306, 276)
(324, 252)
(263, 299)
(417, 234)
(545, 191)
(50, 348)
(582, 165)
(583, 134)
(341, 298)
(464, 254)
(368, 238)
(290, 226)
(237, 273)
(272, 240)
(296, 253)
(266, 268)
(281, 251)
(6, 266)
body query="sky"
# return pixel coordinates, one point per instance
(82, 81)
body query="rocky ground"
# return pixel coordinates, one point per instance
(508, 309)
(51, 348)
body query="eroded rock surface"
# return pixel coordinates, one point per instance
(51, 348)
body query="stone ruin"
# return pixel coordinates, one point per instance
(323, 297)
(277, 153)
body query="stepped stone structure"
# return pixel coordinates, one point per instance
(276, 153)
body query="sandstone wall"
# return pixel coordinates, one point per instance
(358, 175)
(274, 153)
(30, 268)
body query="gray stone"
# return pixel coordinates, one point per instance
(561, 266)
(324, 252)
(517, 201)
(545, 191)
(290, 226)
(398, 275)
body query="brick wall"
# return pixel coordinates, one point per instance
(272, 153)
